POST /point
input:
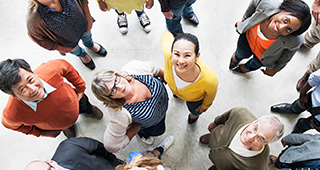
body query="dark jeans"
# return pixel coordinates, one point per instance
(192, 106)
(84, 104)
(137, 12)
(303, 124)
(155, 130)
(304, 164)
(244, 51)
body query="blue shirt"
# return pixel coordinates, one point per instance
(149, 112)
(47, 89)
(314, 80)
(68, 26)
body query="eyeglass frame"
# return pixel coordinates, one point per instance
(114, 87)
(50, 166)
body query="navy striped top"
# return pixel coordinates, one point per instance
(149, 112)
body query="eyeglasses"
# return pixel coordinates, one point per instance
(113, 90)
(50, 166)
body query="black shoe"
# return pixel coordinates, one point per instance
(194, 20)
(102, 51)
(90, 65)
(70, 132)
(204, 139)
(232, 64)
(303, 125)
(96, 113)
(237, 69)
(282, 108)
(191, 121)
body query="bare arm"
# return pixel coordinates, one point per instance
(102, 6)
(88, 16)
(133, 130)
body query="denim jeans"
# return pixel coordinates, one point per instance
(137, 12)
(244, 51)
(192, 106)
(87, 41)
(184, 9)
(303, 124)
(155, 130)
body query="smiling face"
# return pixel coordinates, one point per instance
(30, 87)
(283, 23)
(120, 86)
(257, 134)
(184, 56)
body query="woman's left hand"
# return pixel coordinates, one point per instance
(200, 109)
(268, 72)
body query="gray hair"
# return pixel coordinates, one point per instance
(277, 126)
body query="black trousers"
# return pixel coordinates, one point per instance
(84, 104)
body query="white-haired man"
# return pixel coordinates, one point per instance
(239, 140)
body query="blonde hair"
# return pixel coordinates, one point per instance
(148, 161)
(101, 91)
(33, 4)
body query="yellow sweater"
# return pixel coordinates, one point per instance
(125, 5)
(204, 88)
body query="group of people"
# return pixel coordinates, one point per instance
(41, 103)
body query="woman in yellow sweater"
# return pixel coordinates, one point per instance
(188, 77)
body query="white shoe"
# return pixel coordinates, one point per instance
(148, 141)
(145, 22)
(122, 23)
(167, 142)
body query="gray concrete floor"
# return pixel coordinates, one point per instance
(217, 37)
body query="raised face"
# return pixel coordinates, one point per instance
(283, 23)
(183, 56)
(257, 134)
(30, 87)
(119, 88)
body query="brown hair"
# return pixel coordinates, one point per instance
(148, 161)
(101, 91)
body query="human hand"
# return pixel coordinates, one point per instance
(237, 23)
(315, 126)
(315, 10)
(303, 99)
(50, 133)
(80, 95)
(103, 6)
(211, 126)
(149, 4)
(168, 14)
(268, 72)
(200, 109)
(282, 142)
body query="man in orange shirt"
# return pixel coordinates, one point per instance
(41, 103)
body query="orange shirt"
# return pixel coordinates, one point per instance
(258, 45)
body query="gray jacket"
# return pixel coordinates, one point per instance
(284, 47)
(302, 147)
